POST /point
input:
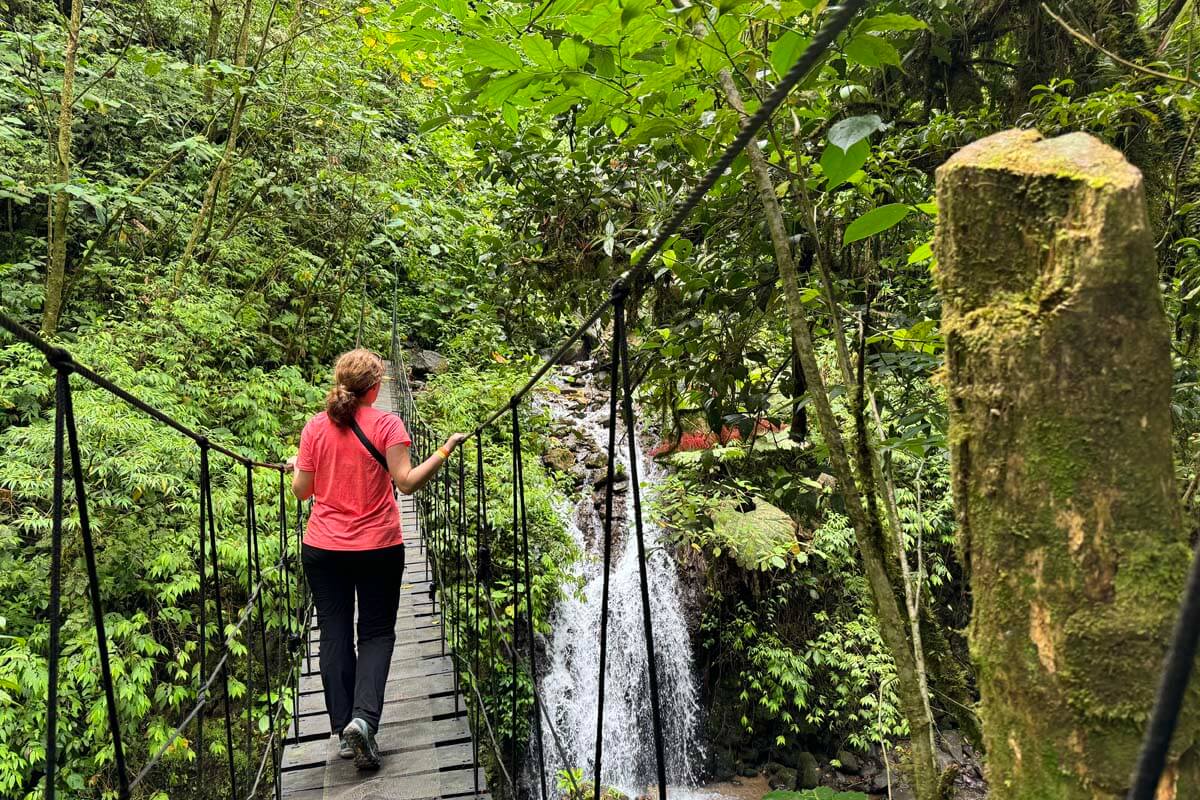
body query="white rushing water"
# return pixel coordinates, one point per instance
(570, 687)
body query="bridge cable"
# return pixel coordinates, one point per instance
(519, 491)
(611, 476)
(1173, 684)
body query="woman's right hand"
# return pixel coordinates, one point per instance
(454, 441)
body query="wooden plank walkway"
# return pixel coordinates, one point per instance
(424, 735)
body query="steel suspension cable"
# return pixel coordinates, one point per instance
(614, 389)
(622, 344)
(60, 389)
(519, 489)
(1173, 685)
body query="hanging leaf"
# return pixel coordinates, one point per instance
(433, 123)
(573, 54)
(838, 164)
(876, 221)
(872, 51)
(891, 22)
(848, 132)
(539, 49)
(922, 253)
(511, 117)
(490, 53)
(786, 50)
(617, 125)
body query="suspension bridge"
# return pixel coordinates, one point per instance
(463, 716)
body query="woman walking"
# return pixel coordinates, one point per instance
(350, 456)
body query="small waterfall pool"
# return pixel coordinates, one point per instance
(570, 685)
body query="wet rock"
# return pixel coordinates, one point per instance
(749, 772)
(574, 354)
(559, 458)
(722, 764)
(808, 774)
(428, 362)
(880, 782)
(850, 762)
(952, 742)
(779, 776)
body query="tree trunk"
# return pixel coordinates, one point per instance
(60, 204)
(1059, 375)
(208, 202)
(867, 528)
(215, 13)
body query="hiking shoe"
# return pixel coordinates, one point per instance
(358, 735)
(344, 748)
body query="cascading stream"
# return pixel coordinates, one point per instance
(570, 686)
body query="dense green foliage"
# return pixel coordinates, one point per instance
(252, 182)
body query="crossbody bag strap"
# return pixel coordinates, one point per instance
(372, 449)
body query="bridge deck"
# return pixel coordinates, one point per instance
(424, 735)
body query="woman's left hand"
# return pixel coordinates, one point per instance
(290, 464)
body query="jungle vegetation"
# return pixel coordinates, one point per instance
(208, 201)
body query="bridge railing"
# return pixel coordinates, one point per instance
(267, 645)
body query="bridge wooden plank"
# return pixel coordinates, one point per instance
(411, 670)
(396, 767)
(458, 783)
(408, 688)
(392, 738)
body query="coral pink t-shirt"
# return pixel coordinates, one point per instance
(353, 505)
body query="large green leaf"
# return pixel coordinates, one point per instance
(786, 49)
(838, 164)
(539, 49)
(876, 221)
(872, 51)
(499, 90)
(573, 53)
(891, 22)
(490, 53)
(847, 132)
(761, 538)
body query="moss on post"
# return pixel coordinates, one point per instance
(1059, 372)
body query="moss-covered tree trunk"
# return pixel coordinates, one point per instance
(61, 161)
(1060, 375)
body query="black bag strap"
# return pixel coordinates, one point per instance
(372, 449)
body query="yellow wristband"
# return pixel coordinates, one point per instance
(444, 453)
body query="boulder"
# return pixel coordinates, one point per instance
(808, 774)
(428, 362)
(850, 763)
(779, 776)
(722, 765)
(559, 458)
(952, 743)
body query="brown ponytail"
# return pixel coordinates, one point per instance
(354, 375)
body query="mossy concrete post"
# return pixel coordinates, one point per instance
(1059, 375)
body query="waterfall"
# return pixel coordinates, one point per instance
(571, 683)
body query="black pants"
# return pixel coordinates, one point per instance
(354, 686)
